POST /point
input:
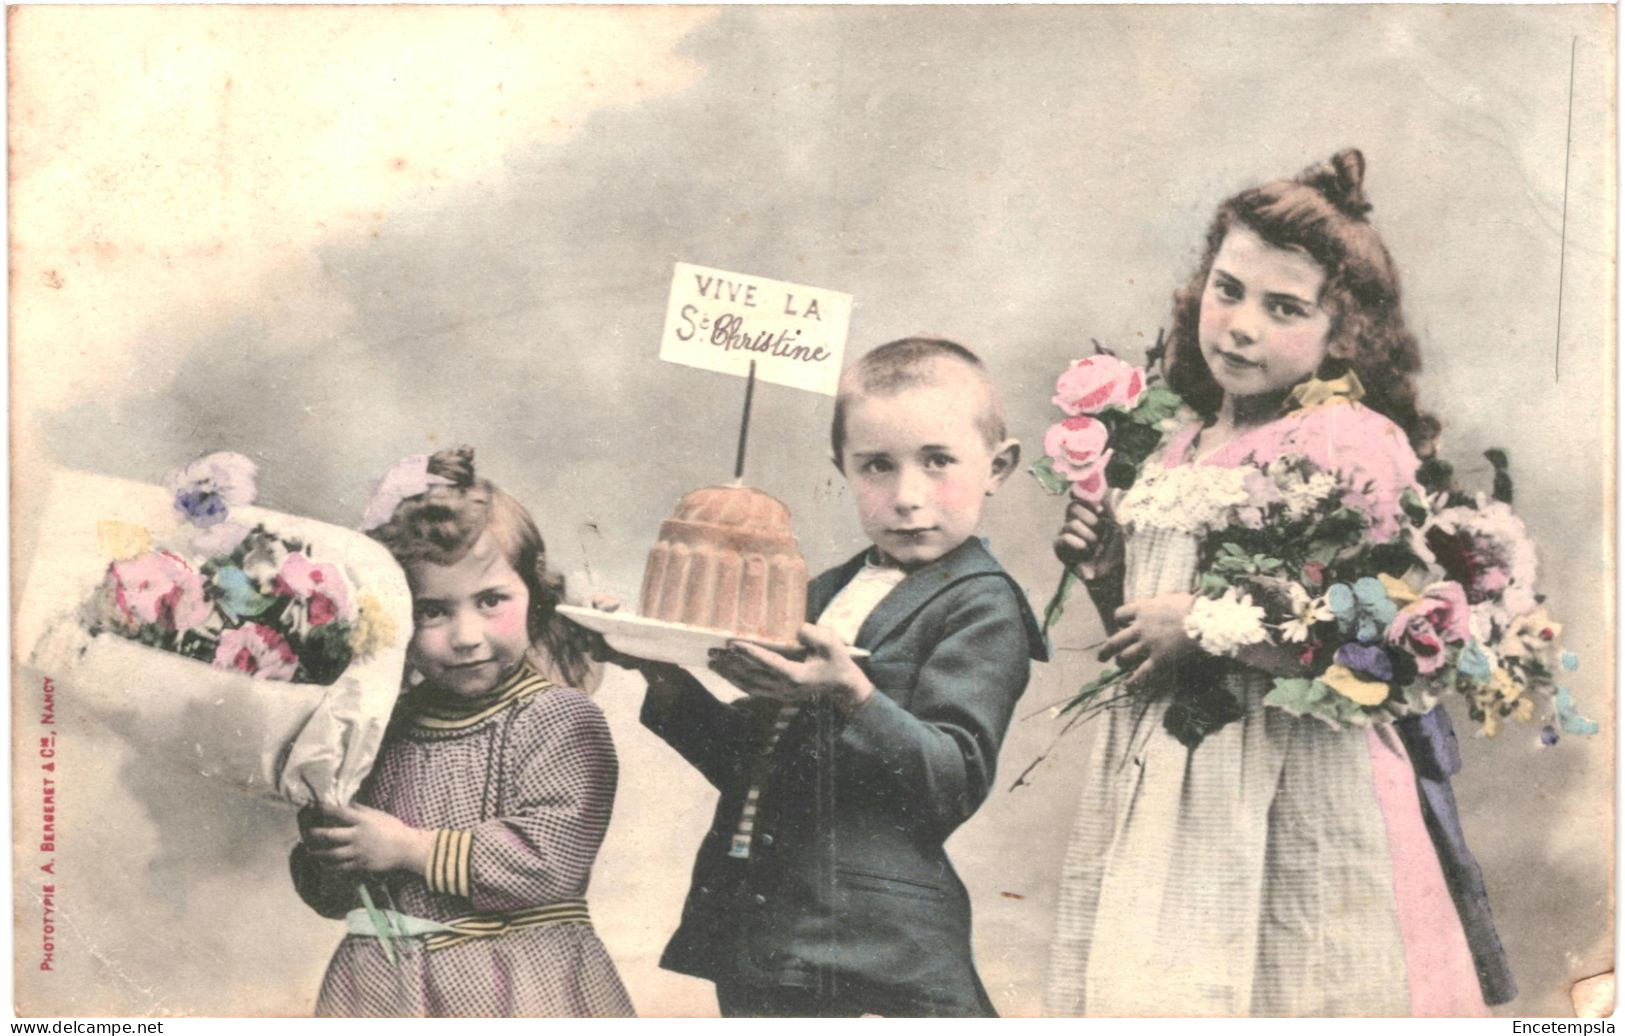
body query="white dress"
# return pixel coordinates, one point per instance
(1273, 870)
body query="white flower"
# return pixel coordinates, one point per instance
(1262, 489)
(230, 476)
(407, 478)
(263, 562)
(1306, 611)
(1310, 493)
(1481, 622)
(1303, 487)
(219, 540)
(1225, 625)
(1191, 498)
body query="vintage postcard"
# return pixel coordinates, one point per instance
(1296, 330)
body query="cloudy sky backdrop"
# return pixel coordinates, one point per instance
(328, 238)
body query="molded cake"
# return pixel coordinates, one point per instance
(727, 560)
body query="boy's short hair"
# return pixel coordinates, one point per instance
(889, 369)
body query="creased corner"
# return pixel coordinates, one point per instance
(1593, 997)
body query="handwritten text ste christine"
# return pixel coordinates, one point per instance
(794, 334)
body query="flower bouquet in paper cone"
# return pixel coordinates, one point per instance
(254, 647)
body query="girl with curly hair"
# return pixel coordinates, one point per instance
(475, 834)
(1280, 866)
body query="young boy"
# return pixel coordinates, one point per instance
(822, 888)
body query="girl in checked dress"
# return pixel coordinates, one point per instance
(476, 832)
(1280, 866)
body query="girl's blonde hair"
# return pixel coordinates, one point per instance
(443, 523)
(1322, 212)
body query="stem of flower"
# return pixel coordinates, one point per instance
(1057, 603)
(380, 924)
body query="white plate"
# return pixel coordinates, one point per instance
(673, 642)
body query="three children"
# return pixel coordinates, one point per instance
(1282, 867)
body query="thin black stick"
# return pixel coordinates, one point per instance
(744, 422)
(1562, 253)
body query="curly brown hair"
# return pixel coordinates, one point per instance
(1322, 212)
(442, 524)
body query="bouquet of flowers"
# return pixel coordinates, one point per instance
(1117, 416)
(1379, 622)
(259, 648)
(266, 609)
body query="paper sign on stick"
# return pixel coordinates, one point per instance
(720, 321)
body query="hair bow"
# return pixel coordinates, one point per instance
(1317, 392)
(407, 478)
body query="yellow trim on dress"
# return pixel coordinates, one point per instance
(437, 710)
(438, 935)
(448, 862)
(486, 926)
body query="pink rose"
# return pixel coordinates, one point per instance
(1423, 627)
(256, 650)
(321, 587)
(1094, 383)
(1091, 487)
(1076, 446)
(159, 588)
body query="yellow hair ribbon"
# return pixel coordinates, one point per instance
(1319, 392)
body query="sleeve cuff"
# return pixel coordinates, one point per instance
(669, 703)
(448, 862)
(872, 729)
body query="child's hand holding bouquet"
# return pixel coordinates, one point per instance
(1089, 544)
(1361, 618)
(1116, 418)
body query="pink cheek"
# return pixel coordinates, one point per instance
(1303, 344)
(954, 495)
(872, 502)
(428, 646)
(508, 622)
(1212, 323)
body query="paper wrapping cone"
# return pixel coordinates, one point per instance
(295, 742)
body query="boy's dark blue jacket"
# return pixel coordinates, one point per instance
(847, 890)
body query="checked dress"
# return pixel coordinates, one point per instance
(518, 785)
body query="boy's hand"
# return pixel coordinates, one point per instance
(827, 672)
(1152, 635)
(359, 838)
(1088, 542)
